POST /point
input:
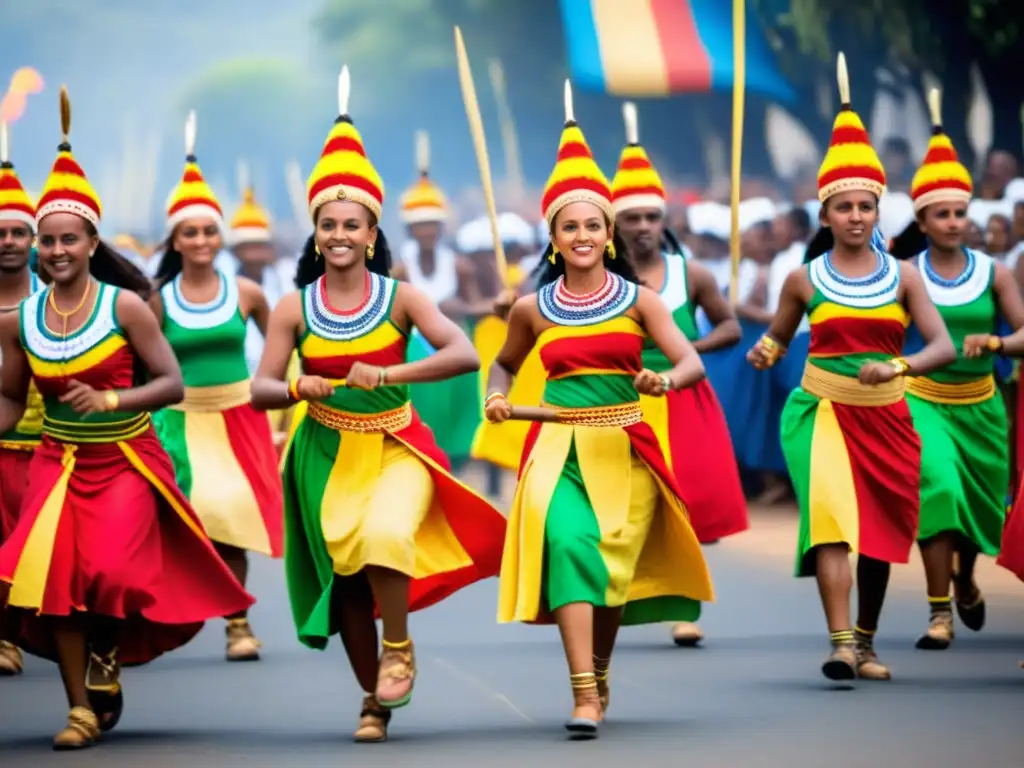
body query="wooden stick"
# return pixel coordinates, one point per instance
(739, 74)
(532, 413)
(476, 129)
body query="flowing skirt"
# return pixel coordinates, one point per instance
(856, 471)
(14, 466)
(226, 464)
(694, 440)
(354, 499)
(597, 518)
(105, 530)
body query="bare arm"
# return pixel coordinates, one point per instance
(796, 293)
(253, 303)
(269, 388)
(455, 354)
(518, 343)
(156, 303)
(165, 386)
(687, 368)
(15, 375)
(938, 349)
(705, 294)
(1011, 306)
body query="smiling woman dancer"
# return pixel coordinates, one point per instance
(847, 434)
(957, 410)
(222, 448)
(372, 513)
(597, 535)
(108, 561)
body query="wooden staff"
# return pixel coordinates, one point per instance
(739, 66)
(532, 413)
(476, 128)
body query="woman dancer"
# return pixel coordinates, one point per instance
(223, 449)
(597, 535)
(17, 281)
(108, 561)
(957, 410)
(688, 423)
(847, 434)
(372, 514)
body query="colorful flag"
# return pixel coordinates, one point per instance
(637, 48)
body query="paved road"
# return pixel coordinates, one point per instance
(752, 697)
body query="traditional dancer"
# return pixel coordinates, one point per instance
(372, 513)
(222, 448)
(450, 408)
(597, 535)
(847, 434)
(17, 281)
(688, 423)
(108, 561)
(957, 410)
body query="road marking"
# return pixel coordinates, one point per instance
(483, 687)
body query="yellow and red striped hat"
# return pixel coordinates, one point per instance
(344, 172)
(423, 202)
(67, 190)
(851, 163)
(576, 176)
(192, 198)
(251, 223)
(941, 176)
(636, 183)
(15, 204)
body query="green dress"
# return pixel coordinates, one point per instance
(959, 413)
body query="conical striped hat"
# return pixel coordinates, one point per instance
(941, 176)
(192, 198)
(851, 163)
(576, 177)
(424, 201)
(67, 190)
(344, 172)
(251, 223)
(636, 183)
(15, 204)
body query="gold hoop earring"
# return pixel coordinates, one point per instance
(369, 251)
(610, 250)
(554, 251)
(316, 251)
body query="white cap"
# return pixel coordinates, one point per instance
(754, 211)
(516, 230)
(474, 236)
(895, 213)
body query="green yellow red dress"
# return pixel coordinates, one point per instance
(960, 416)
(852, 451)
(597, 516)
(103, 528)
(364, 481)
(222, 448)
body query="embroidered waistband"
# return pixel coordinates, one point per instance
(964, 393)
(623, 415)
(394, 420)
(847, 390)
(216, 398)
(97, 432)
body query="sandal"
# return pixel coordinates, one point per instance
(601, 674)
(840, 666)
(586, 712)
(373, 722)
(242, 645)
(11, 662)
(103, 684)
(396, 675)
(82, 730)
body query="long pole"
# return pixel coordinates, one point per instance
(739, 65)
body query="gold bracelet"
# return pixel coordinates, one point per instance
(111, 399)
(900, 365)
(382, 377)
(994, 344)
(492, 397)
(293, 389)
(772, 349)
(666, 382)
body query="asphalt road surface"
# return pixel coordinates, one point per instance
(490, 695)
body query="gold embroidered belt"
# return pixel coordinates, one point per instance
(394, 420)
(624, 415)
(214, 399)
(964, 393)
(97, 431)
(847, 390)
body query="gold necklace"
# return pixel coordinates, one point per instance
(64, 316)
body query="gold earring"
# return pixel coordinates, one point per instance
(91, 254)
(369, 251)
(610, 249)
(554, 251)
(316, 250)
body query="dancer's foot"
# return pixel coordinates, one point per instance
(868, 665)
(840, 666)
(11, 662)
(373, 722)
(103, 684)
(940, 633)
(970, 605)
(601, 674)
(586, 711)
(396, 674)
(686, 634)
(242, 644)
(82, 730)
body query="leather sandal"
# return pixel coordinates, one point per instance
(397, 675)
(586, 712)
(82, 731)
(373, 722)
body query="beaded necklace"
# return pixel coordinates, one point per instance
(560, 306)
(970, 284)
(873, 290)
(348, 324)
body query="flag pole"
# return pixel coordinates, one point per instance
(739, 66)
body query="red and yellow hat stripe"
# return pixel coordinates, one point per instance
(850, 163)
(636, 183)
(941, 176)
(423, 202)
(67, 190)
(192, 198)
(344, 172)
(15, 203)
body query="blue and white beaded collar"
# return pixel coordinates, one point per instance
(963, 289)
(328, 323)
(873, 290)
(559, 306)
